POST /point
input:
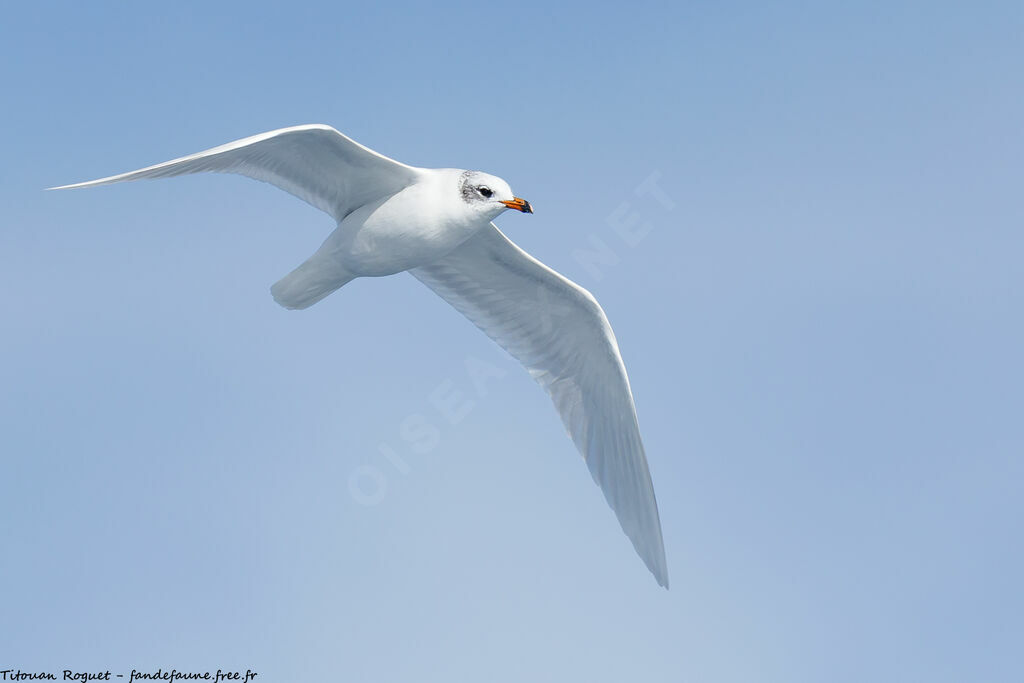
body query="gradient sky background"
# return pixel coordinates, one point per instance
(823, 336)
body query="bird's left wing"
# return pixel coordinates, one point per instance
(558, 331)
(315, 163)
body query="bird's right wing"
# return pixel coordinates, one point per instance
(558, 331)
(315, 163)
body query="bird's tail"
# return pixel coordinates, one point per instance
(309, 283)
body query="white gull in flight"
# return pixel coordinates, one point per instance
(436, 224)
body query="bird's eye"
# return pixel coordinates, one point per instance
(484, 190)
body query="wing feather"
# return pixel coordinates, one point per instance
(560, 333)
(315, 163)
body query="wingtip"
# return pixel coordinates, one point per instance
(661, 576)
(656, 562)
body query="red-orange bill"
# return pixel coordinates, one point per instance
(518, 204)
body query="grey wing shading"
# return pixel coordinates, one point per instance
(315, 163)
(558, 331)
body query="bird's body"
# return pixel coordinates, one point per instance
(413, 227)
(436, 224)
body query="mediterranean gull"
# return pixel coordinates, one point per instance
(436, 224)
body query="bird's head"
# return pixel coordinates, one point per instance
(489, 194)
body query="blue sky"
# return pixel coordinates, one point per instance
(823, 334)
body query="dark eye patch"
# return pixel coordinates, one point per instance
(484, 190)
